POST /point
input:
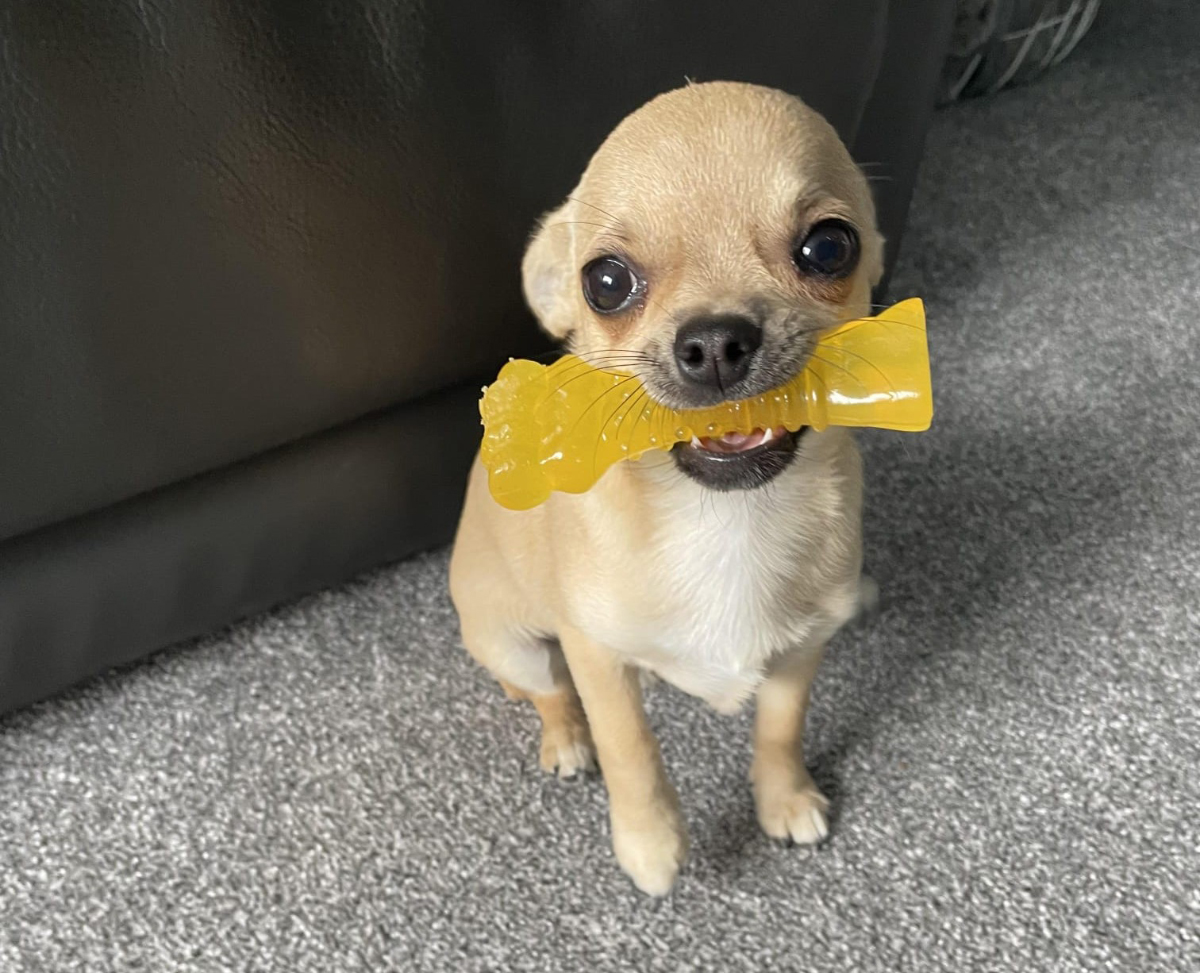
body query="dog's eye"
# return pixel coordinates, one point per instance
(608, 284)
(829, 250)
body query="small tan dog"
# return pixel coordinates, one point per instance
(717, 231)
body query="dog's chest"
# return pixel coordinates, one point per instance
(715, 600)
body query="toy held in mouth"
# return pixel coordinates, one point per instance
(561, 426)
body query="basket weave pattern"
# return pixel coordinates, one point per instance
(998, 43)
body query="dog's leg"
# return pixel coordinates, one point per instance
(530, 667)
(789, 804)
(649, 836)
(566, 740)
(567, 747)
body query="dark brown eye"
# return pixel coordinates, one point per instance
(829, 250)
(608, 284)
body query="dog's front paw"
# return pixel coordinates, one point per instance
(652, 855)
(800, 814)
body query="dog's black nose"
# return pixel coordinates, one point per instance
(716, 351)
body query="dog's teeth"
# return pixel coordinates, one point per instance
(696, 442)
(768, 435)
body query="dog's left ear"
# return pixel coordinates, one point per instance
(877, 258)
(548, 275)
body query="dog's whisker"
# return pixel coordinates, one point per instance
(608, 351)
(632, 356)
(662, 415)
(878, 371)
(556, 353)
(577, 366)
(633, 352)
(602, 226)
(842, 368)
(859, 322)
(611, 216)
(638, 399)
(596, 401)
(633, 402)
(584, 372)
(612, 415)
(607, 362)
(575, 372)
(614, 363)
(813, 372)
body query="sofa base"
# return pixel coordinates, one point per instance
(111, 587)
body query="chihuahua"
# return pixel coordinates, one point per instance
(714, 236)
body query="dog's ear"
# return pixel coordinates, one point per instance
(548, 274)
(877, 258)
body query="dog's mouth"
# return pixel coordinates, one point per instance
(737, 461)
(736, 443)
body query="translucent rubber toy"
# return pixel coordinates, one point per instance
(561, 426)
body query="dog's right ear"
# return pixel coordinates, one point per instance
(548, 274)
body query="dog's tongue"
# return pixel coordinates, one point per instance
(735, 442)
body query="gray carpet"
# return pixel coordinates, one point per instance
(1012, 746)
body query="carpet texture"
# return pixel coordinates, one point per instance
(1012, 746)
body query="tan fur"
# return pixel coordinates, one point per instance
(721, 594)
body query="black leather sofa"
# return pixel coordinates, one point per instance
(256, 258)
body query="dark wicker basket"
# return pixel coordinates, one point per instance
(1003, 42)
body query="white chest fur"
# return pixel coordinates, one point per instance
(729, 580)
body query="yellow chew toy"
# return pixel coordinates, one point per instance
(560, 427)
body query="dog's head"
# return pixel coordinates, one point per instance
(714, 235)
